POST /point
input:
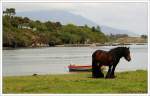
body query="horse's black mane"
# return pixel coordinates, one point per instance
(118, 48)
(118, 51)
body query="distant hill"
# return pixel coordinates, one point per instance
(108, 30)
(131, 40)
(66, 17)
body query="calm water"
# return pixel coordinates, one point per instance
(54, 60)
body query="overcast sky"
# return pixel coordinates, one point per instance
(129, 16)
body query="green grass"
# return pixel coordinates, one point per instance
(125, 82)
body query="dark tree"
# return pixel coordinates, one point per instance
(93, 29)
(144, 36)
(9, 12)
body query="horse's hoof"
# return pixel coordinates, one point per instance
(107, 76)
(112, 76)
(98, 77)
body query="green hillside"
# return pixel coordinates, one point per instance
(24, 32)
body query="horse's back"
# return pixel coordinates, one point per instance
(99, 52)
(102, 56)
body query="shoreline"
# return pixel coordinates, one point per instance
(75, 45)
(69, 73)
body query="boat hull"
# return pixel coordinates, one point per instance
(73, 68)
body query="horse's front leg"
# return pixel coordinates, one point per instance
(109, 72)
(112, 72)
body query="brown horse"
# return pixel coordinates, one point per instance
(108, 58)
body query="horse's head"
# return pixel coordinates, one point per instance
(127, 54)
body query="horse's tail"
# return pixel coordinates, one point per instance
(94, 66)
(93, 60)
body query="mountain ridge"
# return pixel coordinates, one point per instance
(66, 17)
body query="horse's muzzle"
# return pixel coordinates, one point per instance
(129, 59)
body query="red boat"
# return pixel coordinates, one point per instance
(79, 68)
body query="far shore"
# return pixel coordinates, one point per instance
(78, 45)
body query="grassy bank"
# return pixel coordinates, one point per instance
(126, 82)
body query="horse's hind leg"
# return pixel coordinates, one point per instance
(94, 69)
(100, 74)
(96, 72)
(109, 72)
